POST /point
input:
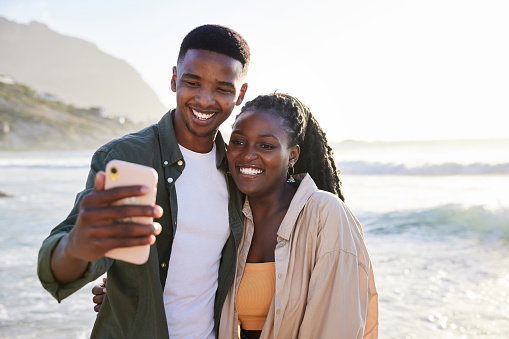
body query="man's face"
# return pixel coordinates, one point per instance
(208, 86)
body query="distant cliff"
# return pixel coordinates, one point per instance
(36, 121)
(75, 71)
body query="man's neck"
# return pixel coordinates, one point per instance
(190, 141)
(201, 145)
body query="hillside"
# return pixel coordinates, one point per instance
(75, 71)
(29, 121)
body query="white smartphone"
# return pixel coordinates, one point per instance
(122, 173)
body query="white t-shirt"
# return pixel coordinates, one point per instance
(202, 231)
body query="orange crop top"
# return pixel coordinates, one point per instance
(255, 294)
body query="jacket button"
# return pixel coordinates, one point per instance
(165, 163)
(163, 265)
(170, 180)
(180, 162)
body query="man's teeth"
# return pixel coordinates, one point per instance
(250, 171)
(202, 116)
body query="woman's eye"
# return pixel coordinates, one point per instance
(236, 142)
(267, 146)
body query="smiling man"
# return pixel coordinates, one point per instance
(180, 290)
(208, 87)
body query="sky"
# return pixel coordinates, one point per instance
(369, 70)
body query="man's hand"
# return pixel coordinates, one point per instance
(96, 232)
(99, 292)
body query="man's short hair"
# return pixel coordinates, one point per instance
(219, 39)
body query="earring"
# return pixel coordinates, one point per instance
(291, 172)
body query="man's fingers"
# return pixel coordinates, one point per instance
(107, 197)
(100, 179)
(98, 299)
(123, 230)
(106, 214)
(158, 228)
(98, 290)
(105, 244)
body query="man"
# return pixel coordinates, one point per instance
(180, 291)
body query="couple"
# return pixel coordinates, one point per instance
(289, 253)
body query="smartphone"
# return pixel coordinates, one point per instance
(122, 173)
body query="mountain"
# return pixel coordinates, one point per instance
(75, 71)
(34, 121)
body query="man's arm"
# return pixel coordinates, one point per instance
(96, 232)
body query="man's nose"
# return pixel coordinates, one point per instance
(205, 98)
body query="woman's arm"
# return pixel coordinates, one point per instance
(342, 301)
(338, 298)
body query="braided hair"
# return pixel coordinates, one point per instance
(316, 156)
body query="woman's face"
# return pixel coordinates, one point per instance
(259, 154)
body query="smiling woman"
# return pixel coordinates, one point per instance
(259, 153)
(298, 240)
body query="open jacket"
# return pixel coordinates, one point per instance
(133, 307)
(325, 286)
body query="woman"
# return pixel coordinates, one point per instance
(303, 269)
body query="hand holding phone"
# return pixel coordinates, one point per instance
(122, 173)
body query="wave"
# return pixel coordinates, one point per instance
(449, 168)
(46, 160)
(446, 220)
(44, 164)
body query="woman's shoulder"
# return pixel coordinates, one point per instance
(334, 217)
(324, 206)
(327, 202)
(308, 192)
(325, 198)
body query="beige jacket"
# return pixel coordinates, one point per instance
(324, 280)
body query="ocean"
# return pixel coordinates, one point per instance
(435, 216)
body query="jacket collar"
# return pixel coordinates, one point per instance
(306, 188)
(168, 140)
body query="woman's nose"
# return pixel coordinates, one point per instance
(250, 154)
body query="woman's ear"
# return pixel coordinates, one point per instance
(294, 154)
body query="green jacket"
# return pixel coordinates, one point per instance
(133, 307)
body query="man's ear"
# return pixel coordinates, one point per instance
(242, 93)
(174, 79)
(294, 154)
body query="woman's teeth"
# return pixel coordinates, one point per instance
(250, 171)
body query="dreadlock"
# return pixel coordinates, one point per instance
(316, 156)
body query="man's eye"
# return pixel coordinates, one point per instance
(267, 146)
(190, 83)
(224, 91)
